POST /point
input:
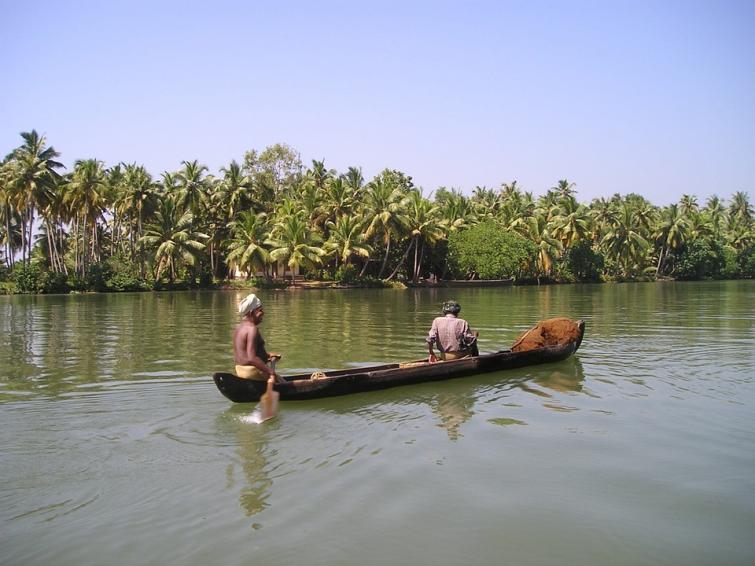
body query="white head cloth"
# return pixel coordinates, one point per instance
(250, 303)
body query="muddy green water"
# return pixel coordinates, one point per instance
(118, 449)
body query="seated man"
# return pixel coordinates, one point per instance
(452, 335)
(248, 345)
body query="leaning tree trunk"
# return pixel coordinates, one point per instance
(661, 261)
(418, 265)
(401, 262)
(50, 250)
(9, 241)
(385, 259)
(23, 239)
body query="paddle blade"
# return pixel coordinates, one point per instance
(269, 402)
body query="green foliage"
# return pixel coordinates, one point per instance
(700, 259)
(54, 282)
(271, 208)
(347, 274)
(205, 278)
(28, 279)
(489, 251)
(731, 268)
(97, 276)
(123, 275)
(747, 262)
(32, 279)
(584, 263)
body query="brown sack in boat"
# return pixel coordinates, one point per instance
(551, 332)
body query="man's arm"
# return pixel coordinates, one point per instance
(432, 337)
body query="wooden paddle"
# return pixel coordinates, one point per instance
(269, 399)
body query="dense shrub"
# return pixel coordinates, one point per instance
(205, 277)
(700, 259)
(747, 262)
(347, 274)
(489, 251)
(53, 282)
(120, 274)
(97, 276)
(583, 263)
(28, 279)
(730, 268)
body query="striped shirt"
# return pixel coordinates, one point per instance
(450, 333)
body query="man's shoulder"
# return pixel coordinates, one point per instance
(246, 326)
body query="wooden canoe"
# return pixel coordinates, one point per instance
(354, 380)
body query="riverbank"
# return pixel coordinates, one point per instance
(9, 288)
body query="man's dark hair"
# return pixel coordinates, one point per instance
(451, 307)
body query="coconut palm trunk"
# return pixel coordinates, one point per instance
(385, 259)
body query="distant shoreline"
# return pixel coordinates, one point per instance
(333, 285)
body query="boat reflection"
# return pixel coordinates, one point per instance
(452, 404)
(453, 401)
(569, 375)
(455, 405)
(252, 446)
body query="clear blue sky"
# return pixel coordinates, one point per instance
(652, 97)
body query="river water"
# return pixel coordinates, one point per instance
(118, 449)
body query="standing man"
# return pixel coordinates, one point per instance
(452, 335)
(248, 345)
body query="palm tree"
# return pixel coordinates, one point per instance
(570, 222)
(548, 202)
(602, 214)
(346, 239)
(700, 225)
(136, 202)
(486, 203)
(688, 204)
(716, 212)
(339, 200)
(32, 176)
(671, 233)
(354, 180)
(536, 229)
(741, 238)
(9, 216)
(319, 175)
(515, 203)
(234, 190)
(84, 196)
(455, 211)
(246, 249)
(564, 189)
(424, 226)
(54, 212)
(292, 242)
(172, 237)
(192, 187)
(740, 209)
(384, 214)
(624, 242)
